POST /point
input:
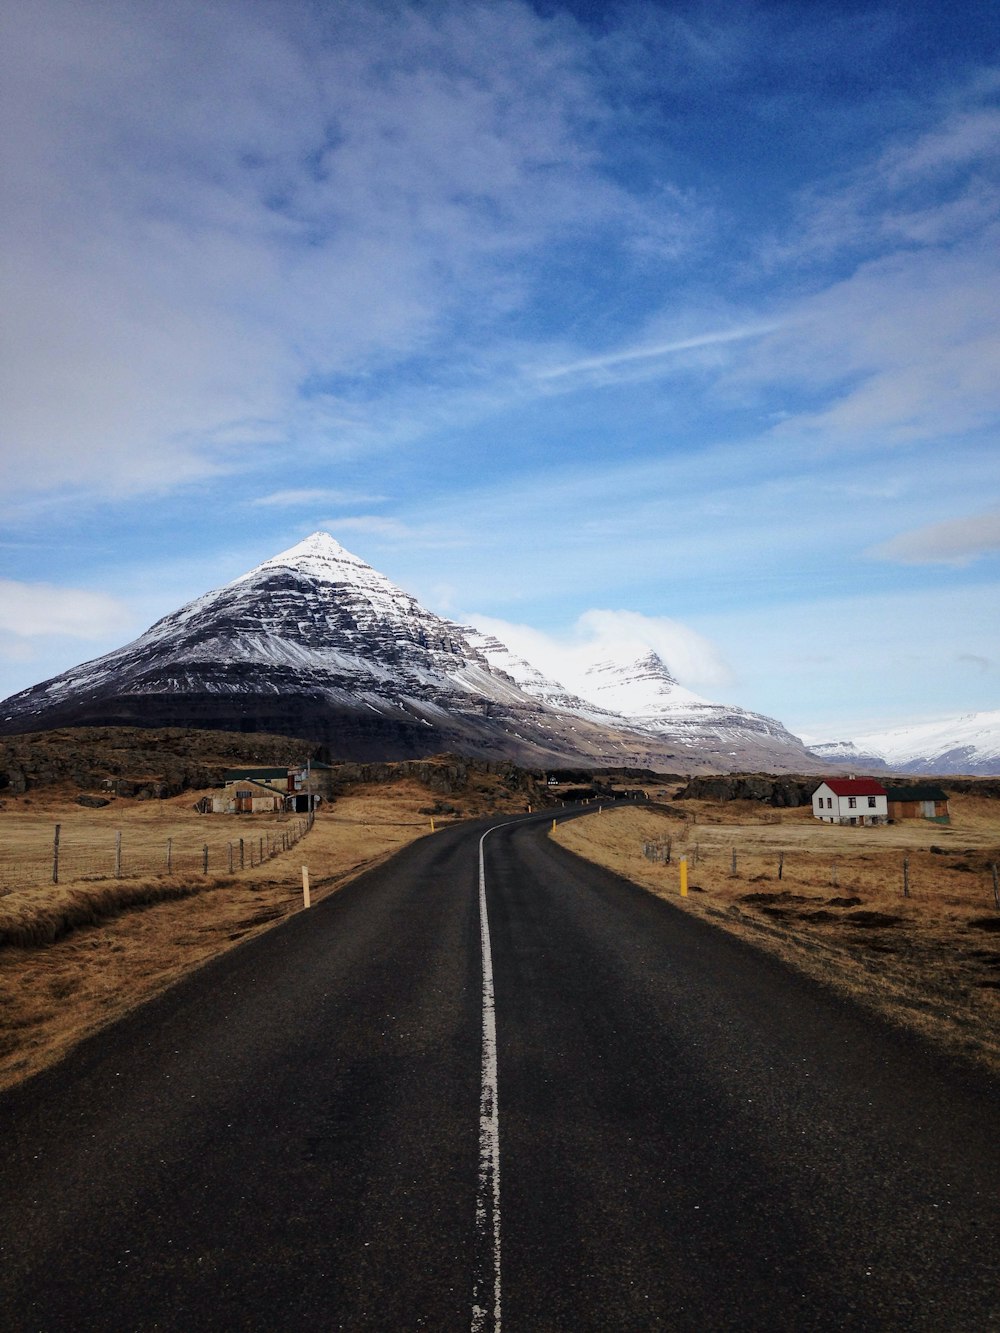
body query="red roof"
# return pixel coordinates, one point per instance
(855, 787)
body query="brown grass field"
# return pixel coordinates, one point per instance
(89, 950)
(929, 961)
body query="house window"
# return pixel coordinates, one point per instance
(871, 802)
(829, 802)
(851, 802)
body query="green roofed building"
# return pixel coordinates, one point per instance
(918, 801)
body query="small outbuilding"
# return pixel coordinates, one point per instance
(920, 801)
(246, 797)
(851, 801)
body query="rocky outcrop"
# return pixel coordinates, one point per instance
(779, 792)
(136, 762)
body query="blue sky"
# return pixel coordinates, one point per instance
(674, 324)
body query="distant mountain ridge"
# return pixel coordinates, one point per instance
(966, 744)
(316, 643)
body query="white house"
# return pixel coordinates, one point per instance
(851, 801)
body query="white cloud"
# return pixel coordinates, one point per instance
(304, 496)
(630, 355)
(217, 212)
(905, 349)
(29, 610)
(621, 636)
(957, 541)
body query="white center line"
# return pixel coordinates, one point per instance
(486, 1290)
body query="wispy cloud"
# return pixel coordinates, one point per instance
(630, 355)
(318, 495)
(957, 541)
(31, 610)
(219, 205)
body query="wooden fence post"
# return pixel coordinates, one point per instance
(230, 858)
(118, 854)
(906, 877)
(996, 886)
(241, 853)
(733, 870)
(55, 857)
(204, 859)
(781, 864)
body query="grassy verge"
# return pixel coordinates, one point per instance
(929, 961)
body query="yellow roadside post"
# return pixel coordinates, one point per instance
(684, 877)
(432, 823)
(306, 901)
(553, 826)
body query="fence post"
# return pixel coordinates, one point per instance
(55, 858)
(118, 854)
(733, 870)
(170, 855)
(670, 850)
(906, 877)
(204, 859)
(781, 864)
(230, 858)
(241, 853)
(996, 886)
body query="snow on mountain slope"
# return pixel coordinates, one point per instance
(966, 744)
(644, 688)
(650, 699)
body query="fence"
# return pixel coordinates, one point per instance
(132, 854)
(891, 871)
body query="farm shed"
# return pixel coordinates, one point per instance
(918, 802)
(850, 801)
(245, 797)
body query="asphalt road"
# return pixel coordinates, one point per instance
(690, 1135)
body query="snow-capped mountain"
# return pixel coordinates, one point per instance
(650, 698)
(645, 696)
(969, 744)
(316, 643)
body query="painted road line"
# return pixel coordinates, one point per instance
(486, 1288)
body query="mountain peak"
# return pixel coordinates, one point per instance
(320, 556)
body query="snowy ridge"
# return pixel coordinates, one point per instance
(643, 688)
(969, 743)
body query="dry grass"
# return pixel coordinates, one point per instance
(114, 957)
(930, 961)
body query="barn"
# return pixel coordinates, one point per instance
(920, 801)
(246, 797)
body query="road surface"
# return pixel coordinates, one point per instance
(669, 1132)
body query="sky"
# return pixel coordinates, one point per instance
(603, 325)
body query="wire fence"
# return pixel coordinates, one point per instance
(134, 854)
(970, 877)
